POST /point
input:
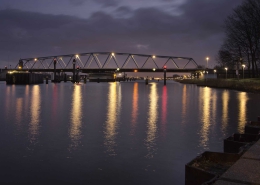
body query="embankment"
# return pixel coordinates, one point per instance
(247, 85)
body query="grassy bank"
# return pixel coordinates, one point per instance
(247, 85)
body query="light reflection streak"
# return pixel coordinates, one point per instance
(19, 110)
(76, 117)
(8, 99)
(184, 103)
(242, 109)
(164, 109)
(55, 101)
(113, 112)
(35, 113)
(152, 121)
(214, 106)
(206, 122)
(134, 109)
(225, 101)
(27, 96)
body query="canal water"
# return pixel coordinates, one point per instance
(114, 133)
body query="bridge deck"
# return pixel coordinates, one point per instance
(97, 70)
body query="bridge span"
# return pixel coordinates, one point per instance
(108, 61)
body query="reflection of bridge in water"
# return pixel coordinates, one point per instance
(106, 62)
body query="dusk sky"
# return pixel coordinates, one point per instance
(186, 28)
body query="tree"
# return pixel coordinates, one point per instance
(242, 42)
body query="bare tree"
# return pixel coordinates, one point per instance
(242, 42)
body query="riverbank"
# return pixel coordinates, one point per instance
(245, 170)
(247, 85)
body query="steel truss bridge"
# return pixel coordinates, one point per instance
(106, 62)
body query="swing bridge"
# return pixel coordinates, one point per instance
(95, 62)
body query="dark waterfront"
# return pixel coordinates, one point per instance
(114, 133)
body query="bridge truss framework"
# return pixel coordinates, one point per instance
(94, 57)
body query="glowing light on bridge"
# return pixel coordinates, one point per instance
(154, 69)
(113, 54)
(154, 56)
(77, 56)
(35, 59)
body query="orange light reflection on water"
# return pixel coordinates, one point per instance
(205, 105)
(35, 113)
(76, 117)
(225, 101)
(164, 109)
(242, 109)
(184, 101)
(113, 112)
(152, 121)
(19, 110)
(134, 109)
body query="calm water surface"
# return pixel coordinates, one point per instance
(114, 133)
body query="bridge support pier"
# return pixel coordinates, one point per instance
(74, 78)
(55, 62)
(164, 76)
(65, 77)
(85, 79)
(77, 75)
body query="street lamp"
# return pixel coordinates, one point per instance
(215, 72)
(243, 69)
(226, 71)
(207, 61)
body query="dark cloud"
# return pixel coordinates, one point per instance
(208, 14)
(107, 3)
(77, 2)
(123, 12)
(196, 33)
(104, 3)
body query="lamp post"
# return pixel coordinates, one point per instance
(215, 72)
(243, 70)
(207, 61)
(226, 71)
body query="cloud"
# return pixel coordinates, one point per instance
(77, 2)
(196, 33)
(103, 3)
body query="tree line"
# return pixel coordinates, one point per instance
(242, 42)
